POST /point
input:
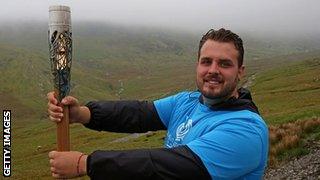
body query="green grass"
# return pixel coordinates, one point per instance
(289, 93)
(150, 65)
(33, 139)
(294, 152)
(280, 98)
(312, 134)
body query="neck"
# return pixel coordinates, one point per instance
(214, 101)
(211, 102)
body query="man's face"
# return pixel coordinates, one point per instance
(218, 72)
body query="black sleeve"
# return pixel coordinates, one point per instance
(175, 163)
(124, 116)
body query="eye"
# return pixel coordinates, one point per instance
(205, 61)
(225, 63)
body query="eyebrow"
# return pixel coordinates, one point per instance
(229, 60)
(205, 58)
(223, 60)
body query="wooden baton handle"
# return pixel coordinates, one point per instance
(63, 138)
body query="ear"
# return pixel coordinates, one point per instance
(241, 72)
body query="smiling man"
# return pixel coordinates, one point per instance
(213, 133)
(219, 69)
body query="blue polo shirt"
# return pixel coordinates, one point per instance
(231, 144)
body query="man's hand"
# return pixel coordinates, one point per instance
(68, 164)
(77, 113)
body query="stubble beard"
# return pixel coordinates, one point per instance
(225, 92)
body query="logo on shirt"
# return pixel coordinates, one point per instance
(183, 129)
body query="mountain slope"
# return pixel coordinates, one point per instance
(289, 93)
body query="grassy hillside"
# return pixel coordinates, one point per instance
(289, 93)
(106, 59)
(114, 62)
(23, 77)
(288, 98)
(284, 94)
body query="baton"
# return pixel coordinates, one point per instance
(60, 50)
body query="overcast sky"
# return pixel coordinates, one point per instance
(252, 15)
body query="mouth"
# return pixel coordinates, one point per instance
(213, 81)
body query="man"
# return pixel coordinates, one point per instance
(213, 133)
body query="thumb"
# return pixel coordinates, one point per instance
(69, 100)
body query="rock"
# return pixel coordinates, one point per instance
(305, 167)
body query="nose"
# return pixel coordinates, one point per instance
(214, 68)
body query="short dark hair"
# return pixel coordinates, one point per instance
(223, 35)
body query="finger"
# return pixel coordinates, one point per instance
(52, 98)
(53, 170)
(55, 114)
(57, 176)
(54, 119)
(54, 108)
(61, 176)
(52, 154)
(52, 164)
(69, 100)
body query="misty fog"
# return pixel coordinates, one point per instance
(279, 17)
